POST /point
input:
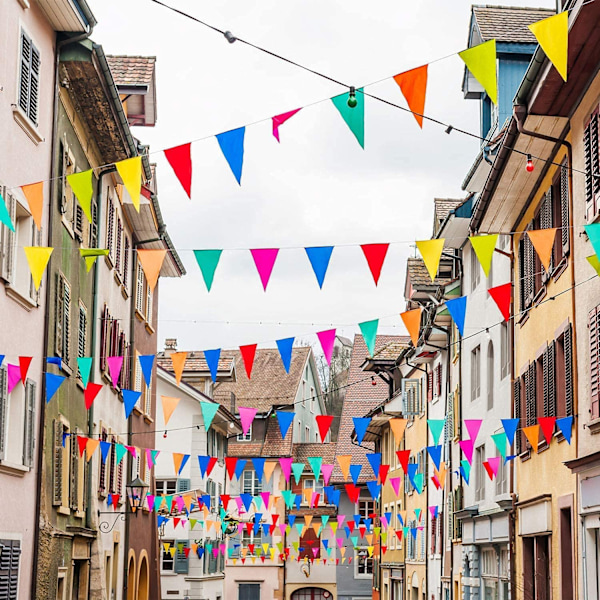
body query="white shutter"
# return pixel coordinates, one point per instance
(3, 410)
(28, 434)
(8, 241)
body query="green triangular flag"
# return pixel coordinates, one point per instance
(120, 452)
(84, 363)
(299, 527)
(207, 261)
(297, 469)
(500, 441)
(4, 214)
(369, 333)
(209, 410)
(315, 465)
(193, 523)
(593, 260)
(354, 117)
(593, 233)
(436, 426)
(83, 187)
(90, 255)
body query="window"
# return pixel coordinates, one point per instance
(366, 508)
(60, 467)
(29, 422)
(62, 342)
(181, 556)
(310, 487)
(29, 78)
(119, 248)
(303, 392)
(250, 537)
(592, 166)
(504, 350)
(10, 553)
(147, 398)
(490, 376)
(430, 386)
(245, 437)
(480, 474)
(126, 263)
(475, 373)
(102, 464)
(110, 226)
(139, 289)
(167, 562)
(249, 591)
(310, 545)
(149, 304)
(114, 343)
(164, 487)
(502, 478)
(412, 397)
(566, 553)
(438, 381)
(363, 563)
(251, 484)
(536, 566)
(594, 334)
(307, 434)
(313, 399)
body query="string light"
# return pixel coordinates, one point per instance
(529, 166)
(352, 101)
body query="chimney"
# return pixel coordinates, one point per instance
(170, 346)
(232, 404)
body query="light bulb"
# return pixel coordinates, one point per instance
(352, 101)
(165, 434)
(373, 382)
(529, 165)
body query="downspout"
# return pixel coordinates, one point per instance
(41, 426)
(520, 112)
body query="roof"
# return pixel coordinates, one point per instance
(302, 452)
(392, 350)
(273, 445)
(508, 23)
(195, 361)
(444, 206)
(132, 70)
(419, 276)
(361, 397)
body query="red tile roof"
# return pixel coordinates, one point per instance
(132, 70)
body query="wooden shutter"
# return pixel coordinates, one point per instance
(549, 386)
(66, 324)
(110, 228)
(3, 410)
(517, 411)
(102, 464)
(529, 270)
(546, 222)
(593, 317)
(119, 245)
(181, 562)
(565, 232)
(438, 374)
(58, 463)
(93, 230)
(126, 263)
(592, 182)
(530, 395)
(34, 88)
(74, 468)
(28, 433)
(9, 240)
(112, 479)
(81, 335)
(522, 292)
(25, 73)
(10, 552)
(569, 392)
(104, 338)
(429, 386)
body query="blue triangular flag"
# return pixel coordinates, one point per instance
(436, 455)
(285, 419)
(356, 520)
(104, 449)
(259, 467)
(53, 382)
(360, 426)
(51, 360)
(319, 257)
(130, 397)
(412, 471)
(510, 429)
(203, 463)
(413, 532)
(212, 360)
(388, 516)
(291, 520)
(374, 490)
(355, 472)
(565, 425)
(147, 362)
(239, 467)
(232, 146)
(375, 462)
(184, 460)
(298, 501)
(334, 497)
(285, 351)
(1, 359)
(206, 500)
(458, 310)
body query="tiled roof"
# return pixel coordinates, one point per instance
(443, 207)
(508, 23)
(392, 350)
(273, 445)
(132, 70)
(301, 452)
(419, 276)
(195, 361)
(360, 399)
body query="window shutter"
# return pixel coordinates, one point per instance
(93, 231)
(546, 223)
(438, 374)
(58, 463)
(25, 73)
(183, 485)
(126, 263)
(592, 182)
(569, 371)
(66, 322)
(104, 339)
(102, 465)
(3, 409)
(564, 208)
(110, 228)
(119, 244)
(549, 387)
(10, 552)
(139, 291)
(529, 270)
(74, 483)
(112, 474)
(429, 386)
(594, 316)
(28, 434)
(8, 240)
(522, 292)
(58, 332)
(34, 90)
(181, 562)
(517, 411)
(81, 336)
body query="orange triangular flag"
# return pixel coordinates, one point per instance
(307, 520)
(268, 470)
(412, 322)
(151, 261)
(90, 448)
(532, 433)
(34, 192)
(413, 85)
(169, 404)
(398, 426)
(344, 462)
(543, 242)
(177, 458)
(441, 474)
(178, 360)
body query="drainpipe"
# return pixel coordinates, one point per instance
(520, 112)
(512, 514)
(41, 437)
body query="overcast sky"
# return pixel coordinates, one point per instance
(318, 187)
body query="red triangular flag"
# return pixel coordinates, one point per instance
(501, 296)
(248, 353)
(353, 492)
(115, 500)
(547, 427)
(180, 158)
(413, 85)
(90, 393)
(324, 423)
(375, 255)
(488, 468)
(230, 463)
(24, 362)
(211, 465)
(82, 443)
(383, 473)
(225, 498)
(404, 457)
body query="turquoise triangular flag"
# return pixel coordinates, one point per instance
(4, 215)
(500, 441)
(315, 464)
(354, 117)
(593, 233)
(232, 146)
(120, 452)
(297, 469)
(212, 360)
(209, 410)
(436, 426)
(53, 382)
(207, 261)
(369, 333)
(285, 351)
(84, 363)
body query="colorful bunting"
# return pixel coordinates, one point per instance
(178, 362)
(180, 159)
(398, 426)
(467, 446)
(232, 146)
(413, 85)
(179, 462)
(484, 246)
(24, 362)
(435, 452)
(247, 415)
(353, 116)
(499, 440)
(431, 252)
(344, 461)
(375, 255)
(412, 322)
(595, 262)
(436, 427)
(319, 257)
(82, 185)
(207, 261)
(543, 242)
(285, 420)
(327, 339)
(84, 365)
(565, 426)
(264, 259)
(481, 62)
(501, 296)
(403, 459)
(146, 364)
(212, 360)
(552, 35)
(169, 404)
(360, 426)
(38, 258)
(130, 399)
(34, 193)
(130, 171)
(458, 311)
(368, 330)
(209, 410)
(473, 426)
(5, 215)
(593, 233)
(285, 351)
(53, 382)
(248, 353)
(547, 426)
(90, 255)
(532, 433)
(324, 424)
(510, 428)
(115, 364)
(90, 393)
(280, 120)
(151, 261)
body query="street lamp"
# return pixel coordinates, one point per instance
(136, 492)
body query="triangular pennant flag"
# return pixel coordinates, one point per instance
(259, 468)
(315, 463)
(151, 261)
(375, 255)
(458, 311)
(232, 147)
(543, 242)
(247, 415)
(82, 185)
(209, 410)
(82, 443)
(395, 483)
(431, 252)
(368, 330)
(24, 362)
(84, 364)
(169, 404)
(481, 61)
(436, 455)
(115, 364)
(5, 215)
(595, 262)
(178, 361)
(412, 322)
(353, 116)
(465, 467)
(494, 463)
(279, 120)
(565, 426)
(418, 483)
(285, 351)
(53, 382)
(593, 233)
(206, 464)
(297, 470)
(130, 171)
(403, 458)
(285, 420)
(286, 467)
(230, 464)
(344, 462)
(248, 353)
(467, 446)
(207, 261)
(484, 246)
(552, 35)
(499, 440)
(264, 259)
(34, 193)
(327, 339)
(413, 85)
(180, 159)
(473, 426)
(319, 257)
(146, 363)
(38, 258)
(436, 426)
(374, 459)
(151, 456)
(532, 433)
(90, 255)
(398, 426)
(488, 467)
(326, 471)
(130, 399)
(179, 461)
(547, 426)
(501, 296)
(104, 450)
(374, 489)
(324, 424)
(212, 360)
(510, 429)
(90, 393)
(91, 447)
(360, 426)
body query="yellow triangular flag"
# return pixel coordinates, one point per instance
(595, 262)
(169, 405)
(344, 462)
(398, 426)
(37, 258)
(484, 246)
(172, 551)
(130, 171)
(34, 193)
(431, 251)
(178, 360)
(83, 187)
(90, 255)
(543, 242)
(481, 61)
(90, 447)
(412, 322)
(166, 546)
(151, 261)
(552, 35)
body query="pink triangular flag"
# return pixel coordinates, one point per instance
(115, 363)
(327, 339)
(265, 498)
(473, 426)
(326, 471)
(132, 451)
(14, 376)
(467, 447)
(280, 120)
(264, 259)
(286, 467)
(395, 481)
(246, 417)
(494, 463)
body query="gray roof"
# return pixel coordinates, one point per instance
(508, 23)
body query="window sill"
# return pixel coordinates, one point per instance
(26, 124)
(13, 469)
(594, 426)
(24, 3)
(63, 510)
(137, 411)
(79, 514)
(150, 329)
(109, 262)
(139, 315)
(148, 419)
(117, 278)
(124, 292)
(24, 301)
